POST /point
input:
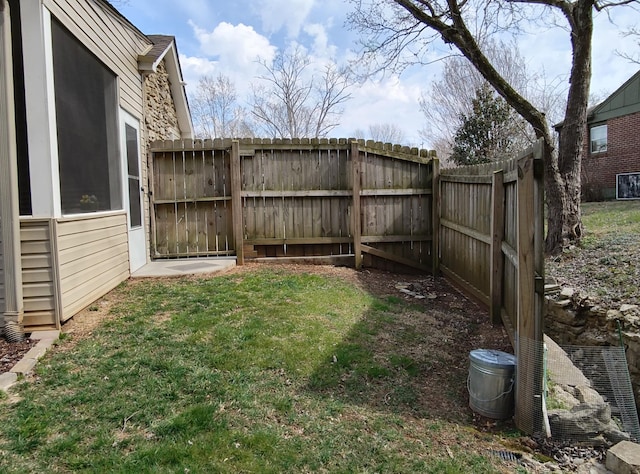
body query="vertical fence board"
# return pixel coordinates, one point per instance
(236, 203)
(355, 212)
(497, 236)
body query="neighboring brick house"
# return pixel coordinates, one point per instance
(612, 142)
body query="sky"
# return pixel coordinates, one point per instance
(230, 36)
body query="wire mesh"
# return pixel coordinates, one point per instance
(585, 395)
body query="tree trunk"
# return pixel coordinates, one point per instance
(562, 169)
(562, 175)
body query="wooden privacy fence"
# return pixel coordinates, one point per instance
(294, 199)
(491, 234)
(347, 200)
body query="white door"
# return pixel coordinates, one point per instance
(130, 133)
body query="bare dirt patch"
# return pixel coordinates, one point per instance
(607, 269)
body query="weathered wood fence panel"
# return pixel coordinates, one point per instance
(298, 198)
(191, 196)
(491, 233)
(396, 200)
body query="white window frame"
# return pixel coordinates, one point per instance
(595, 143)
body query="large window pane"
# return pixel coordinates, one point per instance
(86, 115)
(599, 139)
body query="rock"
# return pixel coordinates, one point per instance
(588, 395)
(628, 307)
(565, 316)
(624, 458)
(614, 315)
(614, 435)
(563, 397)
(567, 292)
(583, 422)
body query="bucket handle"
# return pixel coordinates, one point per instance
(507, 392)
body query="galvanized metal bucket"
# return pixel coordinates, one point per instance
(491, 382)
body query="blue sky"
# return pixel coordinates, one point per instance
(227, 36)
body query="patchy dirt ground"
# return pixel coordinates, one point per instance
(607, 269)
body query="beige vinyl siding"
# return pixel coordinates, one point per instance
(115, 44)
(38, 274)
(93, 258)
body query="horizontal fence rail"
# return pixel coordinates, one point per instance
(295, 199)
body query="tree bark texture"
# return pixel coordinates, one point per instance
(563, 175)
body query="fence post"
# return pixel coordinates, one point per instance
(236, 201)
(528, 404)
(497, 236)
(435, 217)
(355, 215)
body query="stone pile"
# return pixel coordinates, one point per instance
(585, 417)
(576, 319)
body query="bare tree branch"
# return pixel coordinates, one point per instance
(294, 102)
(215, 111)
(400, 32)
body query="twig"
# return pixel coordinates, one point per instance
(449, 452)
(124, 422)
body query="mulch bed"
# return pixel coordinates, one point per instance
(12, 352)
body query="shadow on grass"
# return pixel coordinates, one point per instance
(409, 356)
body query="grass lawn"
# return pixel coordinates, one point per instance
(264, 370)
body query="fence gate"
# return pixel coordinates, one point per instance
(491, 233)
(191, 205)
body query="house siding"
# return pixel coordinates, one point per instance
(38, 274)
(622, 156)
(93, 259)
(114, 43)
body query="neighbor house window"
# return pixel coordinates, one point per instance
(599, 139)
(87, 126)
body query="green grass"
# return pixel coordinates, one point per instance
(262, 371)
(610, 218)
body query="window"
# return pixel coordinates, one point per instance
(133, 174)
(87, 126)
(599, 139)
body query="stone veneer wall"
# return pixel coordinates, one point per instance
(574, 319)
(160, 118)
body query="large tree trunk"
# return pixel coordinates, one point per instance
(562, 170)
(562, 174)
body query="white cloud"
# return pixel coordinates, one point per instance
(609, 69)
(386, 101)
(321, 46)
(284, 14)
(232, 50)
(234, 45)
(193, 68)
